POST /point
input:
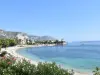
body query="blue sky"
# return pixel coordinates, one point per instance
(73, 20)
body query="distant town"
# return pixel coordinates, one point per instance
(23, 38)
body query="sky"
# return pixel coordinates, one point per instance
(73, 20)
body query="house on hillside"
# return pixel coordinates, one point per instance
(22, 39)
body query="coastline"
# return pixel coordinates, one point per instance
(12, 51)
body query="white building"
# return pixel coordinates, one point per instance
(22, 39)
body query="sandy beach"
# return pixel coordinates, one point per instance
(12, 51)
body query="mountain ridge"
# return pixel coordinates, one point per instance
(11, 34)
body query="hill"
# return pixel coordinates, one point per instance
(11, 34)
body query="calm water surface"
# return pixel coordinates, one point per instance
(80, 57)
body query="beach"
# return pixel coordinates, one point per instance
(12, 51)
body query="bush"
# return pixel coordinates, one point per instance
(97, 71)
(9, 66)
(3, 53)
(50, 69)
(5, 66)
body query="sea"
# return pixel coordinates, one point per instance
(80, 56)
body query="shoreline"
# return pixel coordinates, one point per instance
(12, 51)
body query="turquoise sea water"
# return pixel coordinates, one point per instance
(80, 57)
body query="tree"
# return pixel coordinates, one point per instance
(30, 42)
(0, 45)
(5, 43)
(12, 42)
(56, 42)
(50, 42)
(62, 41)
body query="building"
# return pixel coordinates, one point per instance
(22, 39)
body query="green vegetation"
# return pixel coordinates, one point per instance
(3, 53)
(97, 71)
(9, 66)
(0, 47)
(29, 42)
(46, 42)
(12, 42)
(7, 42)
